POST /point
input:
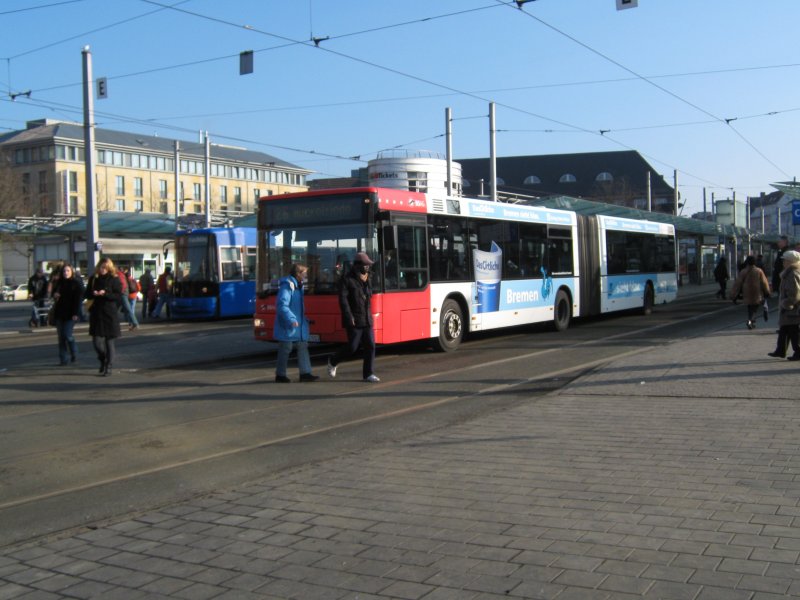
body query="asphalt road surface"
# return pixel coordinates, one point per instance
(192, 407)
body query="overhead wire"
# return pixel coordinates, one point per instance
(121, 118)
(30, 8)
(643, 78)
(96, 30)
(451, 90)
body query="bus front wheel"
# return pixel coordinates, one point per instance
(562, 311)
(451, 327)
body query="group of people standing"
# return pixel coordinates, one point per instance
(752, 286)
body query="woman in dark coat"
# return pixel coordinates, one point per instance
(67, 295)
(105, 291)
(789, 304)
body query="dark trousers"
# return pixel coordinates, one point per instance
(752, 309)
(105, 349)
(357, 337)
(722, 291)
(788, 335)
(67, 348)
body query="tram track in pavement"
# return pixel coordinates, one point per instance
(405, 395)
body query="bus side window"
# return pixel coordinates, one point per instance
(412, 257)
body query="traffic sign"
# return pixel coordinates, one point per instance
(622, 4)
(102, 88)
(796, 212)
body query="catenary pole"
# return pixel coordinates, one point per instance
(448, 117)
(92, 228)
(492, 155)
(207, 180)
(177, 182)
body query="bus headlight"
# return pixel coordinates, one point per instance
(258, 323)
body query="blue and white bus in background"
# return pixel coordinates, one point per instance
(638, 262)
(215, 271)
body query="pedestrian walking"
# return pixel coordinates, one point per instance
(721, 276)
(105, 293)
(753, 285)
(37, 291)
(146, 283)
(291, 325)
(125, 299)
(355, 295)
(67, 297)
(164, 290)
(777, 266)
(789, 305)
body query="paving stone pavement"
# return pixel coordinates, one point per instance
(669, 474)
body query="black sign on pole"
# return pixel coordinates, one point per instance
(102, 88)
(246, 62)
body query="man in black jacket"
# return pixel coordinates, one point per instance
(37, 291)
(355, 294)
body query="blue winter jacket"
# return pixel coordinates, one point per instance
(289, 309)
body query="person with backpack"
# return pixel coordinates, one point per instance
(146, 284)
(125, 302)
(164, 290)
(754, 287)
(291, 325)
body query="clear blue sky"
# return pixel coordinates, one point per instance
(661, 78)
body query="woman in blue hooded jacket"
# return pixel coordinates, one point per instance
(291, 325)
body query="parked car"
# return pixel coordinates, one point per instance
(15, 292)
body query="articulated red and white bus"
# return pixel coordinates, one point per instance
(447, 266)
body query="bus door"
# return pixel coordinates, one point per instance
(589, 263)
(403, 273)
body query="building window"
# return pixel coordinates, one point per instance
(604, 176)
(237, 198)
(417, 181)
(163, 207)
(138, 187)
(120, 185)
(223, 194)
(567, 178)
(42, 182)
(162, 189)
(72, 205)
(138, 206)
(531, 180)
(196, 193)
(120, 204)
(73, 181)
(26, 184)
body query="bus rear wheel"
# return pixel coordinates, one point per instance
(649, 300)
(562, 311)
(451, 327)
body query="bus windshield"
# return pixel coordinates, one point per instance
(327, 251)
(195, 258)
(323, 232)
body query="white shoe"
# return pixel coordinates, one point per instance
(372, 379)
(331, 369)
